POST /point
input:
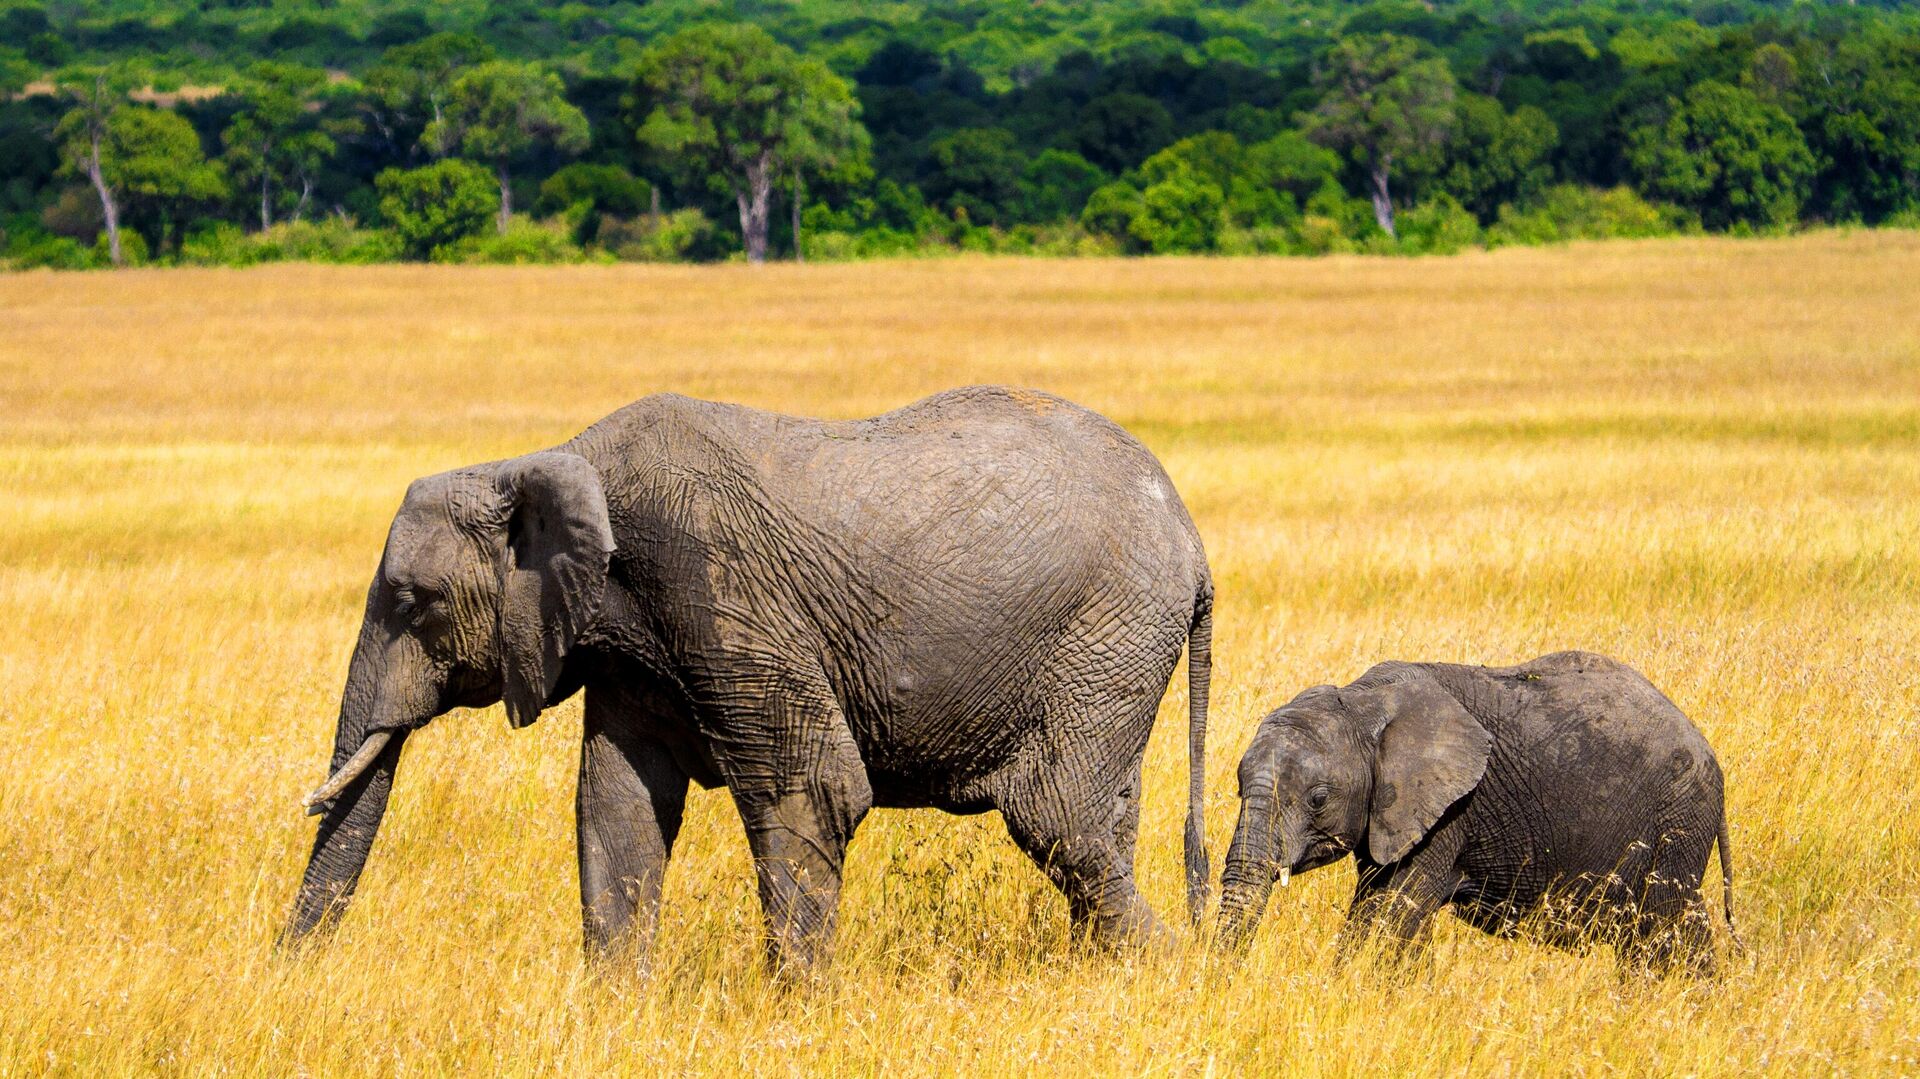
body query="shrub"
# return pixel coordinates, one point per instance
(1571, 212)
(610, 189)
(1180, 214)
(75, 213)
(43, 251)
(524, 242)
(1070, 240)
(1110, 211)
(437, 205)
(133, 249)
(589, 194)
(675, 237)
(840, 245)
(1438, 226)
(1354, 215)
(1257, 240)
(332, 240)
(218, 243)
(1321, 234)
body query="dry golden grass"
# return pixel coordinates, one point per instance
(1699, 456)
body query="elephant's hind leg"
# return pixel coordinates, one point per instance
(628, 812)
(1076, 843)
(1671, 928)
(1074, 804)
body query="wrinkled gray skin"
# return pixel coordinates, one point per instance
(1569, 782)
(972, 603)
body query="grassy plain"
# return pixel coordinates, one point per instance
(1700, 456)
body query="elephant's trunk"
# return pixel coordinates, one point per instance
(1247, 882)
(341, 846)
(367, 743)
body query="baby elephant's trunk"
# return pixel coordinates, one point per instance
(1247, 883)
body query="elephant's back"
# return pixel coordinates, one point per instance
(1026, 430)
(1057, 451)
(981, 475)
(1600, 766)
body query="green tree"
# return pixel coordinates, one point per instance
(279, 139)
(1110, 211)
(1056, 185)
(1263, 185)
(1496, 156)
(977, 172)
(436, 205)
(1859, 104)
(1118, 131)
(1294, 165)
(407, 89)
(157, 163)
(732, 104)
(1725, 154)
(1385, 104)
(500, 111)
(134, 155)
(98, 95)
(1214, 155)
(1182, 213)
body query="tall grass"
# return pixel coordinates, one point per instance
(1699, 456)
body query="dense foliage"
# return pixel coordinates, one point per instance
(137, 130)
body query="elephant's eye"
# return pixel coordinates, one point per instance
(1317, 798)
(412, 608)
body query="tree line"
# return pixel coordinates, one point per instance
(494, 132)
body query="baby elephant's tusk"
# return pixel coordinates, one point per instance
(1286, 872)
(348, 772)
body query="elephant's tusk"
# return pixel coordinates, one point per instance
(348, 772)
(1286, 872)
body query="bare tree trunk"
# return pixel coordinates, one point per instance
(266, 207)
(506, 198)
(306, 193)
(109, 211)
(1382, 201)
(653, 208)
(799, 192)
(755, 203)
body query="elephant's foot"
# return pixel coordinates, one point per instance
(1128, 926)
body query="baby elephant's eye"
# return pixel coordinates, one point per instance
(1317, 798)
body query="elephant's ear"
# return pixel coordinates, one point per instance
(558, 544)
(1430, 754)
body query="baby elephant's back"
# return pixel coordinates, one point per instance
(1610, 777)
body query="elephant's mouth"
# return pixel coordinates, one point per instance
(1322, 852)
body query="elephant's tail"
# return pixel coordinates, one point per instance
(1199, 679)
(1726, 884)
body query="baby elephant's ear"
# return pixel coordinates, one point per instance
(1431, 752)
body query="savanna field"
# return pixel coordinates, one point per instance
(1699, 456)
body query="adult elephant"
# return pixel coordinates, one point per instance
(975, 602)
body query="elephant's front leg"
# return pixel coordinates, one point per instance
(629, 807)
(1394, 906)
(801, 793)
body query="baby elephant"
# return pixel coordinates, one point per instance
(1567, 786)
